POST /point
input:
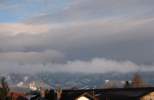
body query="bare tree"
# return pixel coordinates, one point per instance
(137, 81)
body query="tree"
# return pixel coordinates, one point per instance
(137, 81)
(4, 89)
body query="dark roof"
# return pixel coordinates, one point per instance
(125, 92)
(128, 93)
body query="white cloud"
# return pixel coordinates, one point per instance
(17, 28)
(100, 65)
(96, 65)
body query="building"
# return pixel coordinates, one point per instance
(86, 96)
(149, 96)
(17, 96)
(146, 93)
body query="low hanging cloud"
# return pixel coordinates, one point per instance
(24, 58)
(96, 65)
(102, 65)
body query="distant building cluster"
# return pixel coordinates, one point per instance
(135, 89)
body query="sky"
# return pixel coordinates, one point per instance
(76, 36)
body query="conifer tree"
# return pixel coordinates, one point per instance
(4, 90)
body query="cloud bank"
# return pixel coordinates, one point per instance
(89, 36)
(96, 65)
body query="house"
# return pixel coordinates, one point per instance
(127, 94)
(149, 96)
(17, 96)
(145, 93)
(47, 95)
(86, 96)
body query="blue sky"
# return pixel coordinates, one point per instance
(18, 10)
(75, 35)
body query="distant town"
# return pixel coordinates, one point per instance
(134, 89)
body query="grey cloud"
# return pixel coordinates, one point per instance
(95, 65)
(101, 65)
(118, 39)
(32, 57)
(86, 30)
(92, 9)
